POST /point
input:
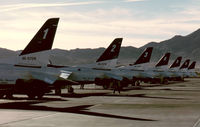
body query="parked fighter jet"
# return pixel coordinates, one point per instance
(191, 70)
(133, 73)
(94, 73)
(181, 72)
(27, 74)
(174, 68)
(160, 72)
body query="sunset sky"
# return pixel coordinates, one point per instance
(95, 23)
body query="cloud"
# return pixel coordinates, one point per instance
(94, 27)
(5, 8)
(134, 0)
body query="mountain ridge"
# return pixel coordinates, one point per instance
(187, 46)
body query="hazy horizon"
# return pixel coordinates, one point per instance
(94, 24)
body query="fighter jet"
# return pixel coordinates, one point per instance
(28, 73)
(160, 72)
(97, 73)
(174, 68)
(133, 73)
(191, 70)
(180, 74)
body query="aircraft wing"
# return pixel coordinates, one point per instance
(146, 75)
(50, 78)
(64, 75)
(113, 76)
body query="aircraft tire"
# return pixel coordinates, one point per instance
(165, 81)
(70, 90)
(31, 96)
(9, 95)
(40, 96)
(58, 91)
(137, 83)
(105, 86)
(2, 95)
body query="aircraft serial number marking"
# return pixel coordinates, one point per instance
(102, 63)
(28, 58)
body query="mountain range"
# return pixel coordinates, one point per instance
(187, 46)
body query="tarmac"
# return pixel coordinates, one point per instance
(174, 105)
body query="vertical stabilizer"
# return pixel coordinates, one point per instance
(192, 66)
(176, 63)
(110, 55)
(33, 54)
(145, 57)
(185, 64)
(164, 60)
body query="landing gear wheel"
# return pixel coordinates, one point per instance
(137, 83)
(40, 95)
(2, 95)
(70, 90)
(58, 91)
(105, 86)
(165, 82)
(31, 96)
(9, 95)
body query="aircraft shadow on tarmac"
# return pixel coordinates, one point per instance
(44, 99)
(169, 89)
(145, 96)
(79, 95)
(82, 109)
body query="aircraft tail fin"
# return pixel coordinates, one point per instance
(43, 40)
(176, 63)
(185, 64)
(145, 56)
(112, 52)
(164, 60)
(192, 66)
(110, 55)
(33, 54)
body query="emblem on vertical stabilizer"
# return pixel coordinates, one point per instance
(177, 62)
(185, 64)
(164, 60)
(112, 52)
(43, 40)
(192, 66)
(145, 57)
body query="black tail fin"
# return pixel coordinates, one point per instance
(164, 60)
(192, 66)
(43, 40)
(176, 63)
(145, 57)
(185, 64)
(112, 52)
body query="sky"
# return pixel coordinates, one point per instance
(95, 23)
